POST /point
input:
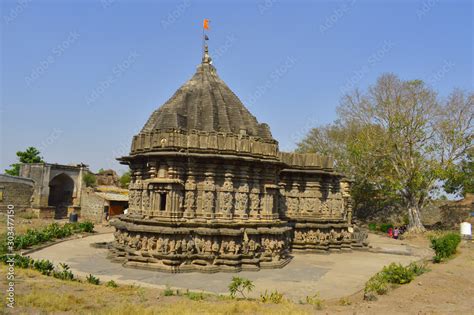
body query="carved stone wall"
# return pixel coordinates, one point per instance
(186, 248)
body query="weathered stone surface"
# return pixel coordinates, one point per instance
(210, 191)
(15, 191)
(107, 178)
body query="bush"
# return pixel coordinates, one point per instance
(86, 226)
(393, 274)
(418, 269)
(44, 266)
(274, 297)
(240, 285)
(168, 291)
(345, 302)
(397, 274)
(315, 301)
(445, 246)
(372, 226)
(195, 296)
(111, 284)
(377, 284)
(93, 280)
(19, 260)
(63, 272)
(89, 179)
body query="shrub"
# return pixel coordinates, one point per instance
(418, 269)
(240, 285)
(274, 297)
(111, 284)
(372, 226)
(315, 301)
(392, 274)
(19, 260)
(89, 179)
(195, 296)
(445, 246)
(93, 280)
(397, 274)
(345, 302)
(377, 283)
(86, 226)
(63, 272)
(168, 291)
(44, 266)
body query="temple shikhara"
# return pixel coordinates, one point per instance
(210, 190)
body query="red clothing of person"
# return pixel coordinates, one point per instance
(390, 232)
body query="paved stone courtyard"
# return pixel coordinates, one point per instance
(333, 276)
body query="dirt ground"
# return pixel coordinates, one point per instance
(447, 289)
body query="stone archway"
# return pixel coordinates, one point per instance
(61, 189)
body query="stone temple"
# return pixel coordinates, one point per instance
(210, 191)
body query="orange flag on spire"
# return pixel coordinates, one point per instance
(206, 24)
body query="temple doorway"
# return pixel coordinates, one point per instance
(61, 188)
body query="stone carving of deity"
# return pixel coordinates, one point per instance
(190, 247)
(208, 201)
(172, 246)
(241, 202)
(160, 245)
(151, 244)
(144, 243)
(226, 202)
(223, 249)
(254, 202)
(189, 200)
(136, 242)
(215, 247)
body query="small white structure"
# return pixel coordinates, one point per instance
(466, 230)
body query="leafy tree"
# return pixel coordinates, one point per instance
(398, 141)
(460, 178)
(30, 155)
(89, 179)
(125, 180)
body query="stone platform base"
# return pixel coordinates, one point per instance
(196, 265)
(327, 237)
(194, 246)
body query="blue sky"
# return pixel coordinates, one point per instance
(80, 78)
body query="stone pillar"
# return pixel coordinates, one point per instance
(255, 195)
(190, 195)
(225, 204)
(242, 195)
(208, 199)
